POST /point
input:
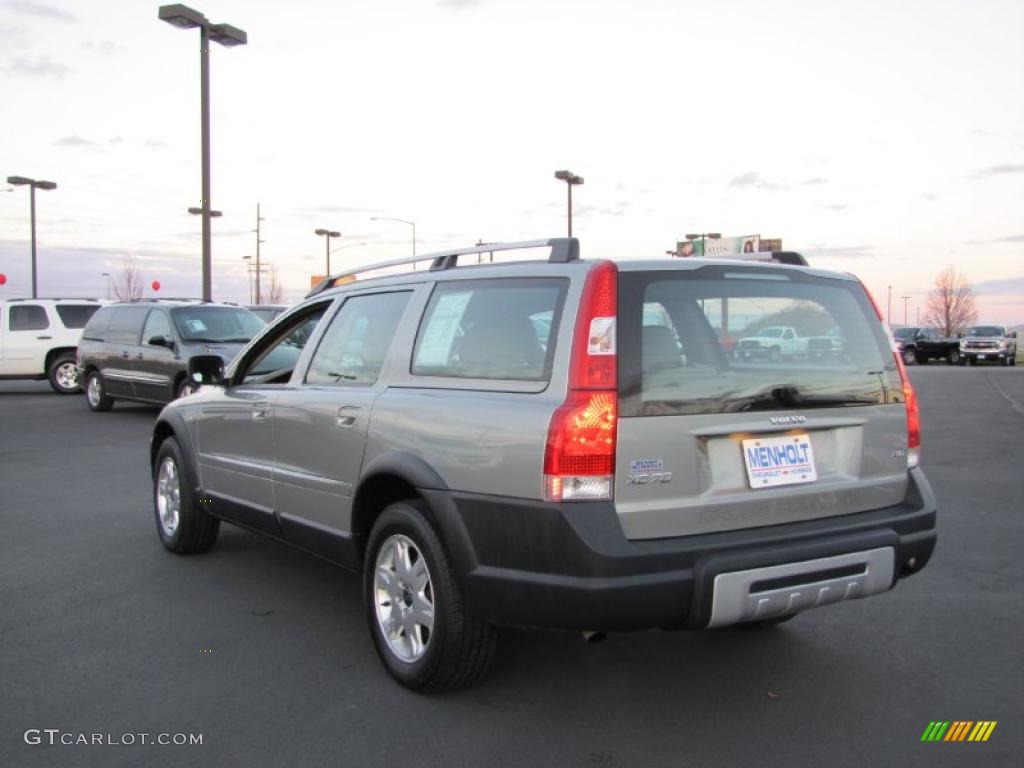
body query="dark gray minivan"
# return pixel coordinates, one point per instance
(140, 350)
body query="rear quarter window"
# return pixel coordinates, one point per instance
(97, 325)
(76, 315)
(500, 329)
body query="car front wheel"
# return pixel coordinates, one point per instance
(909, 357)
(95, 394)
(183, 525)
(63, 375)
(954, 357)
(423, 633)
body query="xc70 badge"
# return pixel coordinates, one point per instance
(648, 472)
(787, 419)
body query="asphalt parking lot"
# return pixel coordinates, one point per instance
(263, 650)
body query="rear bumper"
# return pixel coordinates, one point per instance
(570, 565)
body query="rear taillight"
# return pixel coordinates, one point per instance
(909, 396)
(579, 460)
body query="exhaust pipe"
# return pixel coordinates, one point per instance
(593, 637)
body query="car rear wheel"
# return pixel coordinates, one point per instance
(63, 375)
(183, 525)
(95, 394)
(423, 633)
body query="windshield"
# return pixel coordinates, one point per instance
(708, 341)
(216, 325)
(904, 333)
(986, 330)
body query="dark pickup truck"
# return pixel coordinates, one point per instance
(919, 345)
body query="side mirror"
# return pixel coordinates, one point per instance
(160, 341)
(206, 370)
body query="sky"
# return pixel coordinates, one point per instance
(876, 137)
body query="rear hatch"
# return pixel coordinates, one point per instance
(712, 439)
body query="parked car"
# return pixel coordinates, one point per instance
(140, 350)
(39, 338)
(984, 343)
(774, 343)
(829, 345)
(919, 345)
(267, 312)
(559, 443)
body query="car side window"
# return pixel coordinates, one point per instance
(76, 315)
(275, 357)
(157, 324)
(490, 329)
(353, 348)
(28, 317)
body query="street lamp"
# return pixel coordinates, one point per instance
(905, 300)
(704, 236)
(570, 180)
(403, 221)
(183, 17)
(33, 185)
(327, 235)
(254, 270)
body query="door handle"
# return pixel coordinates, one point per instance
(138, 356)
(44, 337)
(125, 354)
(260, 411)
(348, 415)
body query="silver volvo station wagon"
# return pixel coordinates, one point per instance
(560, 443)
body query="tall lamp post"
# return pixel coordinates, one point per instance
(183, 17)
(33, 185)
(403, 221)
(327, 235)
(704, 237)
(905, 300)
(570, 179)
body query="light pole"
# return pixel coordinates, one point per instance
(570, 179)
(107, 275)
(183, 17)
(704, 237)
(905, 300)
(403, 221)
(327, 235)
(33, 185)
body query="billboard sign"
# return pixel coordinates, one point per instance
(719, 246)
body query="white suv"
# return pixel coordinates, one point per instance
(39, 339)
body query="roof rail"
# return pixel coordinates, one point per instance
(54, 298)
(563, 250)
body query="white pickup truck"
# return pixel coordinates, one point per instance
(39, 339)
(774, 343)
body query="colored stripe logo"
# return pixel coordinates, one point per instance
(959, 730)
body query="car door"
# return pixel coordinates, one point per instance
(156, 364)
(29, 337)
(121, 345)
(320, 423)
(235, 426)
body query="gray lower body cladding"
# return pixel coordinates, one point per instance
(570, 566)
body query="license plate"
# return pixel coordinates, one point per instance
(774, 461)
(981, 357)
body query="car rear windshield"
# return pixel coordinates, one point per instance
(76, 315)
(213, 325)
(727, 340)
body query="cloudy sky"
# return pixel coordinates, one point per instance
(882, 138)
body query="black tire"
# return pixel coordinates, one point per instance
(1013, 360)
(183, 388)
(775, 354)
(909, 356)
(194, 529)
(458, 647)
(96, 396)
(1005, 361)
(63, 375)
(953, 357)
